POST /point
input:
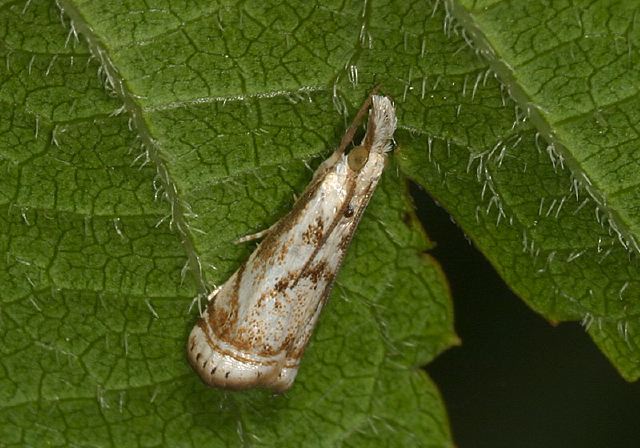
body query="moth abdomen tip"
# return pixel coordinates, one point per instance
(226, 367)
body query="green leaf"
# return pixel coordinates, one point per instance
(551, 194)
(216, 112)
(522, 120)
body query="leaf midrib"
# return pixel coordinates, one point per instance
(134, 109)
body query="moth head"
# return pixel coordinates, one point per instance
(357, 158)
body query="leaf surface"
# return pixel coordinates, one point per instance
(134, 155)
(559, 176)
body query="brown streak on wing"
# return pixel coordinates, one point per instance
(318, 271)
(314, 233)
(217, 348)
(351, 179)
(283, 283)
(222, 320)
(346, 241)
(268, 247)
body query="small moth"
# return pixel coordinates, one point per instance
(256, 325)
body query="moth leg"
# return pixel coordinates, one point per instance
(212, 295)
(253, 236)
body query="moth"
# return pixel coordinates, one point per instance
(257, 325)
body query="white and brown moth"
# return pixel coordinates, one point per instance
(256, 326)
